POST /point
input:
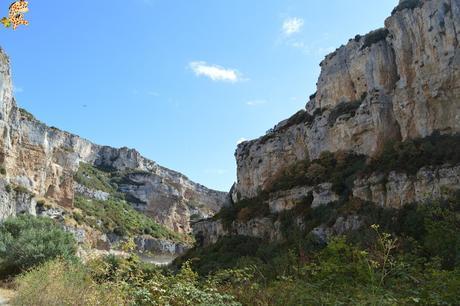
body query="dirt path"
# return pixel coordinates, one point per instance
(5, 296)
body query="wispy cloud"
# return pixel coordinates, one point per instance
(292, 26)
(215, 72)
(18, 89)
(256, 102)
(241, 140)
(312, 48)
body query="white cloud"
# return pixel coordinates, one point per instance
(292, 25)
(215, 72)
(256, 102)
(241, 140)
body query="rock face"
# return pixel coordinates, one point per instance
(207, 232)
(399, 188)
(394, 84)
(399, 82)
(37, 161)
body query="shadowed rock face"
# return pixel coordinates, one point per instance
(396, 83)
(41, 161)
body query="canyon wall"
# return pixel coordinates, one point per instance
(395, 83)
(39, 163)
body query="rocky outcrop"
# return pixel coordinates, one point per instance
(42, 160)
(207, 232)
(90, 193)
(396, 83)
(15, 201)
(147, 244)
(397, 189)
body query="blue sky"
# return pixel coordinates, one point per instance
(180, 81)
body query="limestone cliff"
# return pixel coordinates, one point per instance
(39, 163)
(398, 84)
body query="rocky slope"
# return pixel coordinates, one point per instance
(395, 84)
(38, 163)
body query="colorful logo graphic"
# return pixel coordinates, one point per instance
(16, 14)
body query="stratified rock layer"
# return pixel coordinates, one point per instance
(395, 83)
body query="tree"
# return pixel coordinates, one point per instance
(27, 241)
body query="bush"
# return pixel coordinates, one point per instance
(28, 241)
(60, 282)
(343, 108)
(374, 37)
(117, 216)
(411, 155)
(407, 4)
(93, 178)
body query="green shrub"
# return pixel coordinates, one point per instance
(343, 108)
(407, 4)
(411, 155)
(374, 37)
(61, 282)
(28, 116)
(93, 178)
(2, 170)
(340, 169)
(28, 241)
(117, 216)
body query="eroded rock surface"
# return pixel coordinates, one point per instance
(396, 83)
(42, 161)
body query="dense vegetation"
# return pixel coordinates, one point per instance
(117, 216)
(114, 215)
(27, 241)
(418, 263)
(411, 155)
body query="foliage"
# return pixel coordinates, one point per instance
(412, 265)
(223, 254)
(61, 282)
(93, 178)
(374, 37)
(343, 108)
(27, 241)
(339, 169)
(407, 4)
(116, 216)
(25, 114)
(411, 155)
(115, 281)
(244, 210)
